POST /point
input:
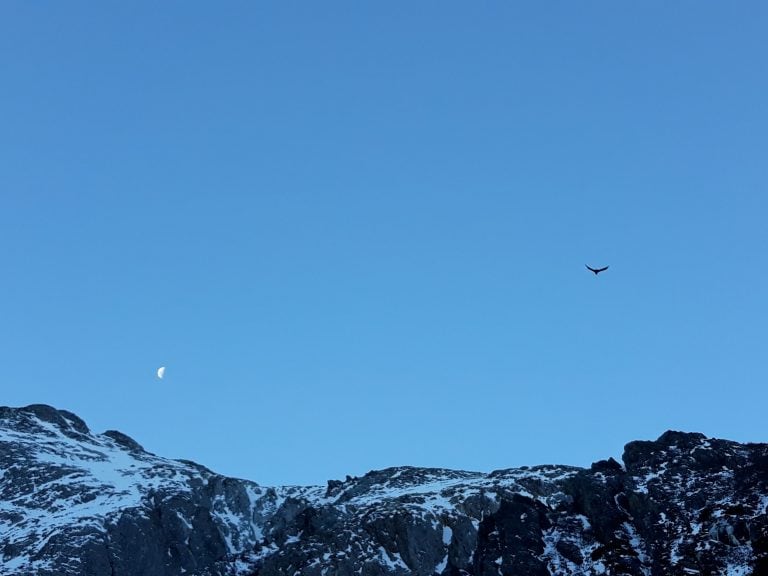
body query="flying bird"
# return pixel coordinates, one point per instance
(596, 270)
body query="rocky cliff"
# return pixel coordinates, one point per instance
(77, 503)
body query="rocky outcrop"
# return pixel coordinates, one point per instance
(77, 503)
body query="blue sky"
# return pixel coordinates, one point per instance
(355, 232)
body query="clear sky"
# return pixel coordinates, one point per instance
(355, 232)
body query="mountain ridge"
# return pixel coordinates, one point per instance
(75, 502)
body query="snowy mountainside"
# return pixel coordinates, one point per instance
(70, 500)
(77, 503)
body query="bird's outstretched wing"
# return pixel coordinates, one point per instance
(590, 268)
(602, 269)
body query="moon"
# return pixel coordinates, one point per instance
(161, 372)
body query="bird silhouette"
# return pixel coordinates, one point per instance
(596, 270)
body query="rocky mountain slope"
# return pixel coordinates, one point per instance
(77, 503)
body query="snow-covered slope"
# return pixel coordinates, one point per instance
(69, 499)
(77, 503)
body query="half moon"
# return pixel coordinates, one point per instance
(161, 372)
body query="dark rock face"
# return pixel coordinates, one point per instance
(77, 503)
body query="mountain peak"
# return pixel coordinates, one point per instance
(73, 503)
(65, 420)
